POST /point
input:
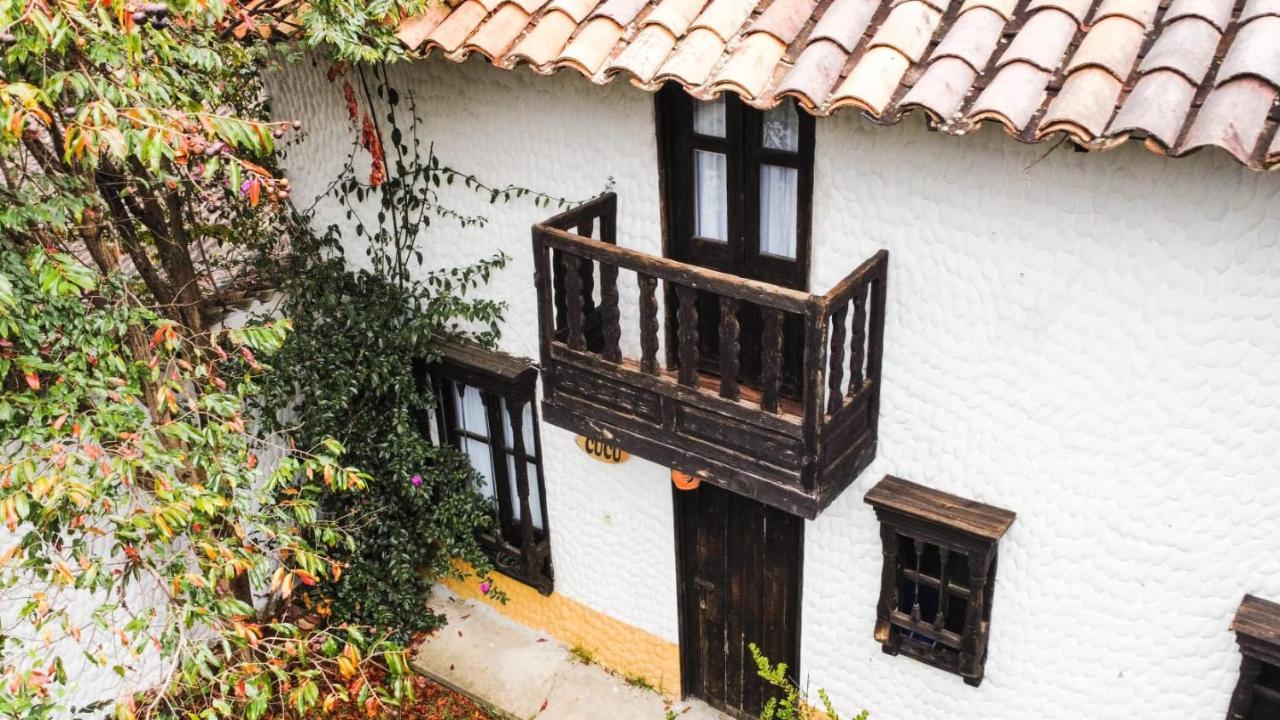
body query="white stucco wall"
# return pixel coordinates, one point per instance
(1088, 340)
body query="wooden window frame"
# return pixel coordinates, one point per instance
(517, 548)
(745, 153)
(923, 518)
(1257, 629)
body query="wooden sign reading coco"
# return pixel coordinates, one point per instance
(602, 451)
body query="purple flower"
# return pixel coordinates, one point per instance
(416, 480)
(484, 588)
(244, 188)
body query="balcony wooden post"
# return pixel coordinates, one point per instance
(544, 283)
(648, 323)
(835, 398)
(771, 360)
(573, 301)
(729, 348)
(609, 314)
(687, 335)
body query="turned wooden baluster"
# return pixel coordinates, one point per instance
(729, 348)
(859, 338)
(648, 323)
(771, 360)
(915, 601)
(944, 597)
(515, 412)
(687, 335)
(588, 270)
(609, 312)
(835, 398)
(573, 301)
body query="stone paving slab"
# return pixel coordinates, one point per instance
(526, 675)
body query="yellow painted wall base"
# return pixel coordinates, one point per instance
(622, 648)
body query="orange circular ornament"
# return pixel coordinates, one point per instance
(685, 481)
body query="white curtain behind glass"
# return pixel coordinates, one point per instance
(535, 499)
(469, 409)
(779, 189)
(710, 195)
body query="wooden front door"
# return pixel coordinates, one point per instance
(739, 564)
(737, 187)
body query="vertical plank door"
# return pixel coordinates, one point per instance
(739, 564)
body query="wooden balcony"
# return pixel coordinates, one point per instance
(791, 440)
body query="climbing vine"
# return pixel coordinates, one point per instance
(352, 367)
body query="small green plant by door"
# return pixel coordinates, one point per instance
(793, 703)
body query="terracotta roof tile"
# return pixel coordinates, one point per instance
(1013, 96)
(872, 82)
(1003, 8)
(621, 12)
(1112, 45)
(1060, 66)
(455, 29)
(1139, 11)
(815, 72)
(1258, 8)
(1233, 118)
(1256, 51)
(645, 53)
(1084, 105)
(942, 88)
(497, 34)
(575, 9)
(694, 59)
(972, 38)
(783, 19)
(414, 31)
(908, 29)
(751, 65)
(844, 22)
(530, 6)
(1187, 46)
(1043, 41)
(1215, 12)
(675, 15)
(544, 42)
(1077, 9)
(1157, 106)
(725, 17)
(589, 48)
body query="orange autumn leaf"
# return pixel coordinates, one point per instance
(33, 380)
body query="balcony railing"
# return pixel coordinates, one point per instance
(794, 445)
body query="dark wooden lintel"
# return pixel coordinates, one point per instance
(938, 508)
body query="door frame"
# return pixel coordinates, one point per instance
(686, 596)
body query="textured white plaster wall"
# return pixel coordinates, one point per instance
(1089, 340)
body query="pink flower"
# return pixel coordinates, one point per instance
(484, 588)
(416, 480)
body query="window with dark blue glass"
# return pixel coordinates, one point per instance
(939, 575)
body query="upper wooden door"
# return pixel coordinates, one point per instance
(737, 187)
(739, 565)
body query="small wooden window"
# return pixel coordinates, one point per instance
(1257, 628)
(485, 407)
(938, 577)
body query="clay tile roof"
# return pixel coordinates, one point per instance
(1176, 75)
